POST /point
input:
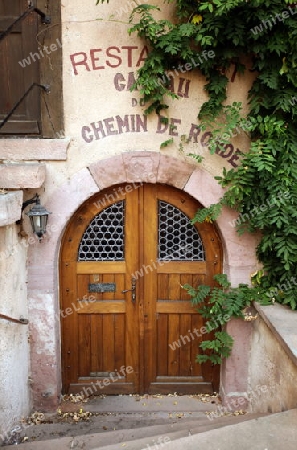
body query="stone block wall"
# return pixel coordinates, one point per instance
(273, 360)
(14, 338)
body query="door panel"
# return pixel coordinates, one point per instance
(153, 333)
(97, 337)
(171, 351)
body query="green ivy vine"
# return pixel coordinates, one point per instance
(258, 36)
(217, 305)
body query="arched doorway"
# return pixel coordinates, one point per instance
(127, 324)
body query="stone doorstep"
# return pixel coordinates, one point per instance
(144, 404)
(136, 438)
(282, 322)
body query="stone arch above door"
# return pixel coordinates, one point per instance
(130, 167)
(152, 167)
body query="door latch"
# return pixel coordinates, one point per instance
(133, 289)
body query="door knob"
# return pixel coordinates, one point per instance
(133, 289)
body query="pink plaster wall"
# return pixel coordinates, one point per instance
(239, 260)
(234, 370)
(43, 290)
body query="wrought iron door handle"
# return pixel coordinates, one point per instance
(133, 289)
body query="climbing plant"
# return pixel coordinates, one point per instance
(217, 305)
(259, 37)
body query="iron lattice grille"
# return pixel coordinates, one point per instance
(103, 239)
(178, 239)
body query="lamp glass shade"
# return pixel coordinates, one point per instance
(38, 216)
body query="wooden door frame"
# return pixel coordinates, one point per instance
(142, 196)
(140, 288)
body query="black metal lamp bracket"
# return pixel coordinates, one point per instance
(30, 202)
(25, 204)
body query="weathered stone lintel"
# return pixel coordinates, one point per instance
(141, 167)
(21, 176)
(10, 207)
(34, 149)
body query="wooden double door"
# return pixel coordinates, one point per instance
(128, 326)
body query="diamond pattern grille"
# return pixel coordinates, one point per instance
(178, 238)
(103, 239)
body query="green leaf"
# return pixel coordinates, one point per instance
(166, 143)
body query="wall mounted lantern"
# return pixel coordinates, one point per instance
(38, 216)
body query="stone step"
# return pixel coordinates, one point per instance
(271, 432)
(145, 403)
(103, 423)
(134, 438)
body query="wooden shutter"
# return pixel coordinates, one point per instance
(15, 79)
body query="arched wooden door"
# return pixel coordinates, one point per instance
(138, 239)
